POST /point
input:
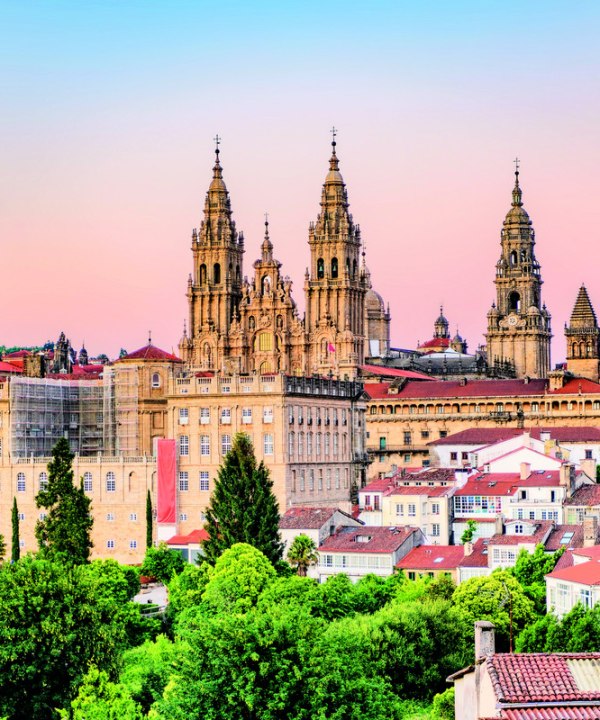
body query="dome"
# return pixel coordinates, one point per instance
(374, 301)
(533, 310)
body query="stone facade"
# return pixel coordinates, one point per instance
(583, 339)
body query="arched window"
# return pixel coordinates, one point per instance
(513, 258)
(202, 274)
(217, 274)
(251, 322)
(21, 482)
(237, 273)
(354, 266)
(334, 267)
(266, 285)
(43, 481)
(279, 322)
(514, 302)
(87, 481)
(320, 268)
(263, 342)
(155, 380)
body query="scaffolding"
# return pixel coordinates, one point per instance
(44, 410)
(125, 388)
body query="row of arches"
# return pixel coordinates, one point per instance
(351, 268)
(216, 277)
(465, 408)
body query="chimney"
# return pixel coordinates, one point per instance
(525, 470)
(588, 466)
(485, 641)
(499, 525)
(590, 530)
(468, 548)
(564, 475)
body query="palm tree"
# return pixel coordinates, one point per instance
(303, 554)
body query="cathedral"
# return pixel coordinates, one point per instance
(240, 325)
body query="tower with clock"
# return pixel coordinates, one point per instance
(518, 323)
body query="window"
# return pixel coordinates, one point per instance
(184, 416)
(301, 444)
(407, 458)
(132, 544)
(246, 416)
(337, 478)
(43, 481)
(320, 486)
(43, 515)
(336, 443)
(110, 544)
(111, 482)
(435, 530)
(311, 480)
(302, 480)
(535, 407)
(424, 434)
(183, 517)
(204, 445)
(399, 510)
(443, 433)
(204, 416)
(155, 380)
(265, 342)
(133, 517)
(291, 439)
(183, 481)
(435, 508)
(226, 416)
(382, 443)
(291, 415)
(320, 269)
(318, 446)
(327, 560)
(21, 516)
(184, 445)
(204, 481)
(21, 482)
(87, 481)
(110, 517)
(327, 444)
(453, 456)
(309, 444)
(225, 444)
(407, 438)
(465, 456)
(588, 455)
(268, 415)
(412, 510)
(585, 596)
(268, 444)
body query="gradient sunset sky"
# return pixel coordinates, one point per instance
(109, 110)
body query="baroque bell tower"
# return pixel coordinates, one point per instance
(518, 323)
(215, 286)
(336, 284)
(583, 339)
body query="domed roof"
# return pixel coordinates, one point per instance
(374, 301)
(334, 175)
(533, 310)
(517, 215)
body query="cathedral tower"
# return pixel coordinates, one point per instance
(583, 338)
(336, 284)
(518, 324)
(215, 287)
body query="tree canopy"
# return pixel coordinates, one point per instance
(243, 508)
(65, 532)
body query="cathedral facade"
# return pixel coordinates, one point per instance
(238, 325)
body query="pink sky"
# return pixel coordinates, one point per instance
(109, 153)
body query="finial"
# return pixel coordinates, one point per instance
(333, 132)
(149, 337)
(267, 221)
(517, 190)
(333, 160)
(217, 140)
(184, 327)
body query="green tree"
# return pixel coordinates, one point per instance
(443, 705)
(302, 554)
(148, 520)
(186, 588)
(16, 542)
(469, 532)
(52, 626)
(162, 563)
(100, 699)
(2, 548)
(65, 532)
(530, 570)
(577, 631)
(237, 579)
(243, 508)
(148, 668)
(498, 598)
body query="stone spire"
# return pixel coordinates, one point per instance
(583, 315)
(441, 325)
(267, 245)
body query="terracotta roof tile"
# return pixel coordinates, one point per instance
(385, 371)
(488, 436)
(453, 389)
(432, 557)
(586, 712)
(585, 573)
(538, 677)
(150, 352)
(382, 539)
(310, 518)
(193, 537)
(479, 556)
(585, 496)
(554, 541)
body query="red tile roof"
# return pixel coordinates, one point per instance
(554, 541)
(309, 518)
(577, 385)
(538, 677)
(488, 436)
(192, 538)
(432, 557)
(479, 555)
(455, 389)
(586, 712)
(18, 354)
(385, 371)
(435, 343)
(586, 496)
(382, 539)
(490, 485)
(592, 553)
(541, 529)
(586, 573)
(6, 367)
(150, 352)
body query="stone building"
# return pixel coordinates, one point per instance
(583, 339)
(518, 322)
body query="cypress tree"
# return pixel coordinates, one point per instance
(16, 543)
(2, 548)
(148, 520)
(243, 507)
(65, 533)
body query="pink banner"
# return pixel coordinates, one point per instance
(167, 496)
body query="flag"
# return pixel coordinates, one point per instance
(330, 348)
